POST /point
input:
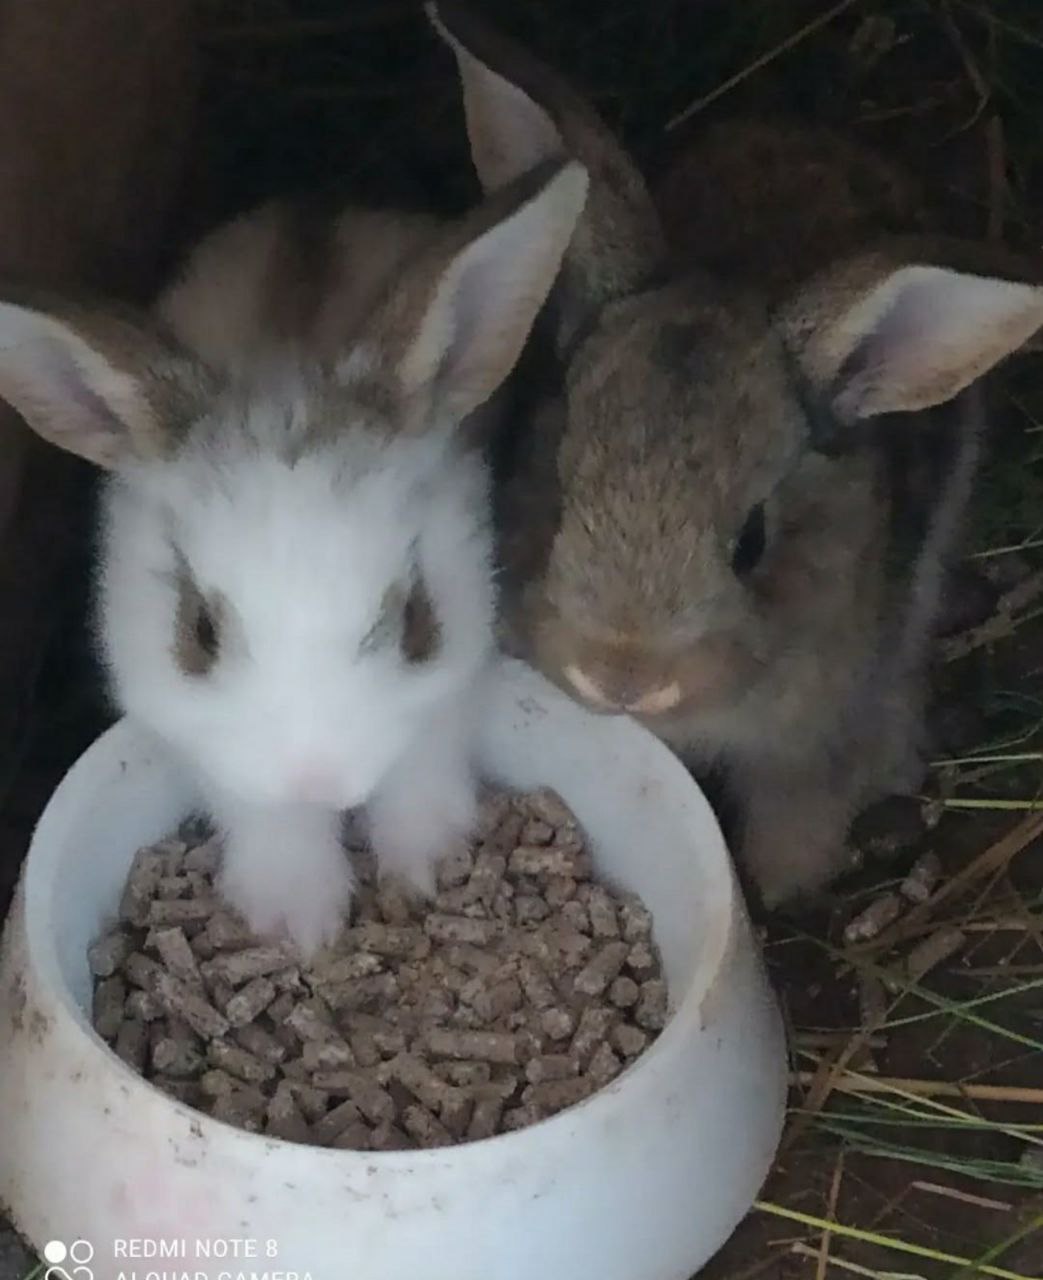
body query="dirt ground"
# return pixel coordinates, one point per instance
(915, 1138)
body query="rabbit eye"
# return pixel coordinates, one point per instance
(749, 546)
(409, 621)
(420, 627)
(197, 630)
(206, 631)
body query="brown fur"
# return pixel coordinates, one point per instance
(298, 271)
(685, 402)
(619, 240)
(772, 202)
(111, 383)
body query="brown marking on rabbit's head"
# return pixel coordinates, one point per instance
(115, 387)
(673, 524)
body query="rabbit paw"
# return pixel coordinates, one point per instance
(791, 884)
(286, 873)
(417, 816)
(793, 840)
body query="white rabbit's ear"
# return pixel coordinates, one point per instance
(455, 329)
(874, 336)
(97, 383)
(520, 112)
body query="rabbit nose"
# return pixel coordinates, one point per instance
(627, 698)
(656, 701)
(315, 783)
(587, 689)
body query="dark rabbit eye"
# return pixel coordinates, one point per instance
(408, 621)
(749, 546)
(197, 630)
(206, 631)
(420, 627)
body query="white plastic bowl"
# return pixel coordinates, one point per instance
(643, 1181)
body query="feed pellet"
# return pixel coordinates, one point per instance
(524, 987)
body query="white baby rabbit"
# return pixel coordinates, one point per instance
(714, 522)
(295, 589)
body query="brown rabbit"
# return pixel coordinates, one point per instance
(730, 519)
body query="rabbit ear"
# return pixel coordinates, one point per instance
(96, 383)
(519, 112)
(455, 327)
(876, 335)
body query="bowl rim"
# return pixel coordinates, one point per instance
(720, 893)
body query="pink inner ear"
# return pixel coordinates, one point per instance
(942, 331)
(67, 410)
(487, 312)
(882, 365)
(466, 311)
(88, 406)
(509, 133)
(909, 331)
(515, 137)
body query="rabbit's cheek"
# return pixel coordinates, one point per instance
(712, 673)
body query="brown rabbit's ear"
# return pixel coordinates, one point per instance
(520, 112)
(98, 383)
(883, 333)
(452, 331)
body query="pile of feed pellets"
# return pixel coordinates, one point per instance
(521, 989)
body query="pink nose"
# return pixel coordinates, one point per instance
(315, 784)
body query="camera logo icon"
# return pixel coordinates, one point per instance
(68, 1262)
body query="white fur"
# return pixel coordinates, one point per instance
(284, 868)
(300, 476)
(301, 533)
(303, 554)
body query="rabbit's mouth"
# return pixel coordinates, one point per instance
(634, 700)
(652, 686)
